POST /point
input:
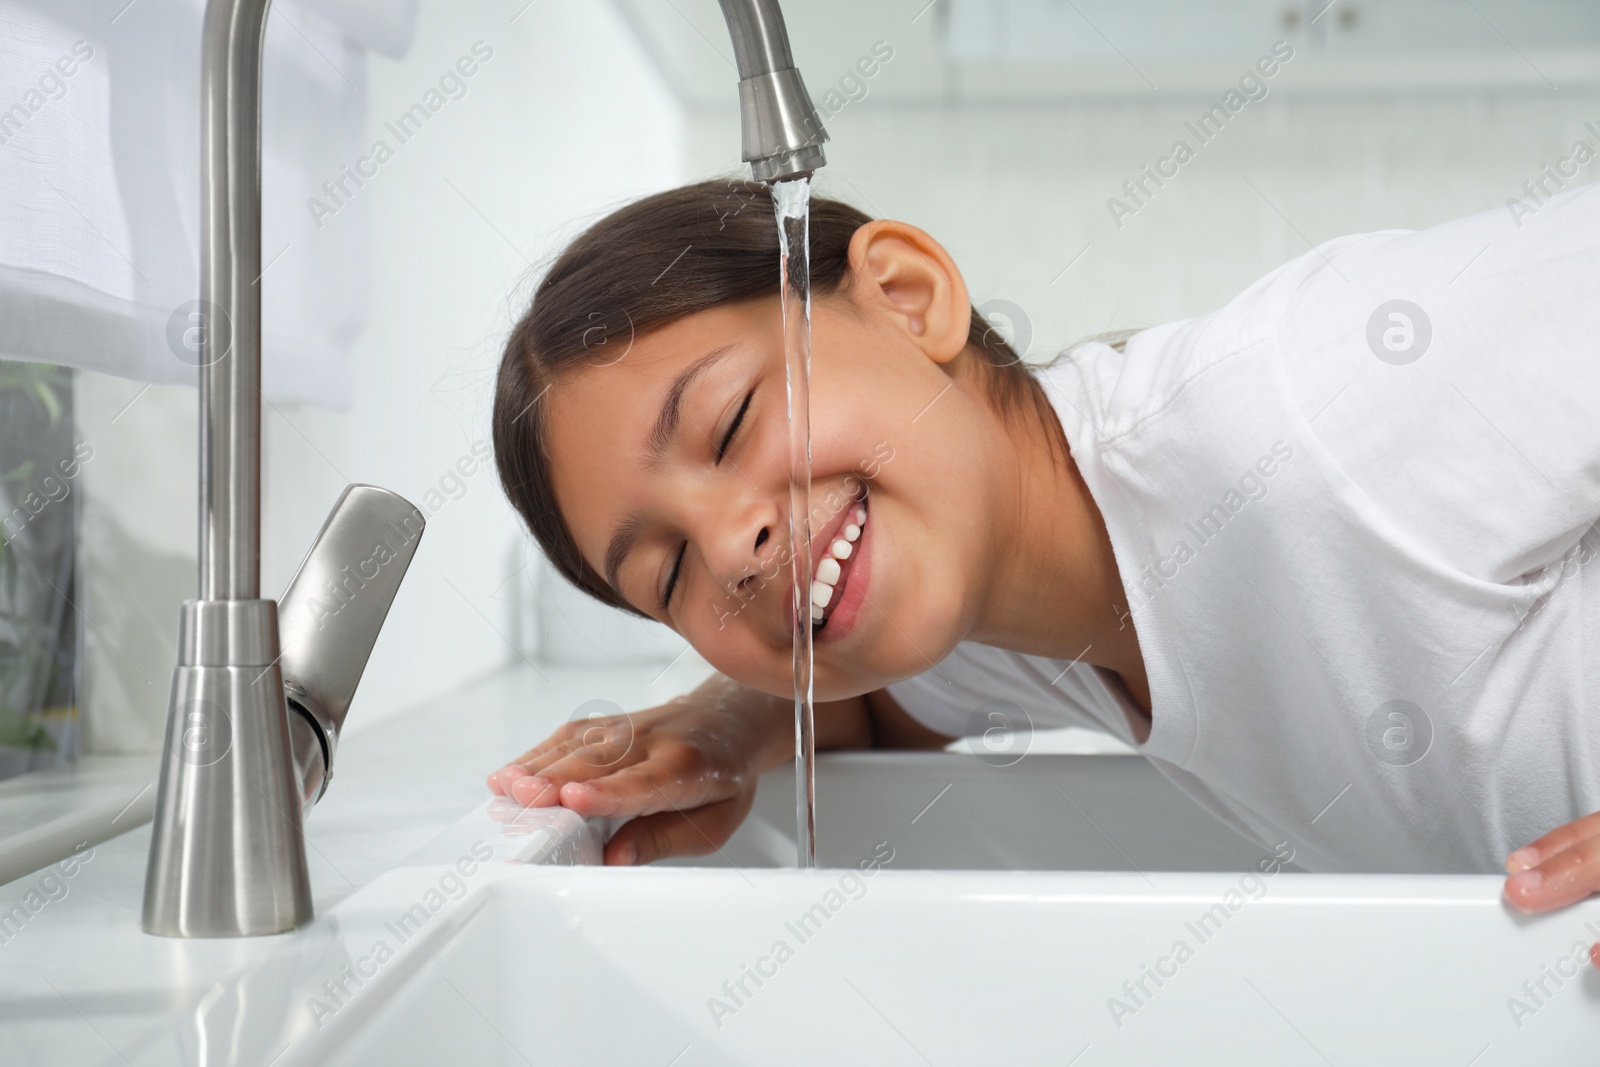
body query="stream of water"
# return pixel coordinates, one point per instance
(791, 202)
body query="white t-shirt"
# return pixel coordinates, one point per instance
(1357, 515)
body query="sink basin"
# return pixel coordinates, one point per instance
(954, 812)
(660, 966)
(893, 953)
(1161, 937)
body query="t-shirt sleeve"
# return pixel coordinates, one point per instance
(1453, 374)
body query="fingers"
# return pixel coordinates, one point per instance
(1563, 878)
(500, 781)
(529, 762)
(585, 764)
(678, 833)
(601, 742)
(646, 788)
(1562, 837)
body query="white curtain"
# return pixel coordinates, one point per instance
(100, 185)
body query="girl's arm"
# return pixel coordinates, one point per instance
(684, 773)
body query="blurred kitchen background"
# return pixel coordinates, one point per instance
(1017, 132)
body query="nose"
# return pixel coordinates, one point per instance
(741, 547)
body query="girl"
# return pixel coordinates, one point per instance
(1323, 556)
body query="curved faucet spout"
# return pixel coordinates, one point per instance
(256, 709)
(255, 712)
(227, 855)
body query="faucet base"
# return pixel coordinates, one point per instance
(227, 854)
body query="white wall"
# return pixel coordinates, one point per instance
(1016, 192)
(566, 119)
(569, 118)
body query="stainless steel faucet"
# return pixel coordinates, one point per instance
(261, 688)
(781, 131)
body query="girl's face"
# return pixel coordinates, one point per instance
(671, 466)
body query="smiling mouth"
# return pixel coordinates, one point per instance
(832, 569)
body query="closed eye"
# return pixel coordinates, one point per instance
(727, 438)
(672, 579)
(722, 450)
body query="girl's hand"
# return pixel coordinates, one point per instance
(685, 772)
(1560, 868)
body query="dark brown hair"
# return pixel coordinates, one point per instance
(646, 265)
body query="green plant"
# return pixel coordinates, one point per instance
(32, 415)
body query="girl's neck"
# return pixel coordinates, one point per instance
(1055, 589)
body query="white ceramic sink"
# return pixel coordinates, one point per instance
(949, 812)
(1158, 940)
(552, 964)
(646, 967)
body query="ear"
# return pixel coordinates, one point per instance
(902, 272)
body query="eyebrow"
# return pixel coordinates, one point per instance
(662, 433)
(671, 412)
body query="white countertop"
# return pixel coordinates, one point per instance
(45, 814)
(80, 982)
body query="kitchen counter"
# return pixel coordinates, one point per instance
(45, 814)
(81, 983)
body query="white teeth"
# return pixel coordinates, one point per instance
(828, 571)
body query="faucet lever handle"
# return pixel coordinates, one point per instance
(330, 615)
